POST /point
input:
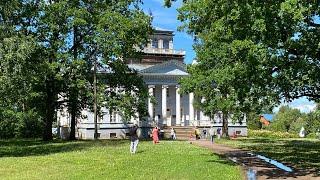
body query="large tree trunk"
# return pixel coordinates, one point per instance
(73, 96)
(73, 122)
(225, 124)
(50, 110)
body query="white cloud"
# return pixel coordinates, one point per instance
(305, 108)
(303, 104)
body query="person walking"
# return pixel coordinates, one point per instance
(134, 138)
(219, 132)
(211, 134)
(204, 132)
(173, 134)
(197, 133)
(155, 135)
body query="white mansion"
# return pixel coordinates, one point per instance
(161, 67)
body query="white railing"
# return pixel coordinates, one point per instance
(163, 51)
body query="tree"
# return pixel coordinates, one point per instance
(257, 52)
(68, 36)
(228, 74)
(287, 120)
(253, 121)
(313, 120)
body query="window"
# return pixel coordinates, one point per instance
(113, 135)
(165, 44)
(168, 92)
(127, 135)
(155, 43)
(113, 116)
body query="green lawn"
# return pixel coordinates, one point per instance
(299, 153)
(26, 159)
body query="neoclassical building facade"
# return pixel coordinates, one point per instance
(161, 67)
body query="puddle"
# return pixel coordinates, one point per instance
(273, 162)
(251, 174)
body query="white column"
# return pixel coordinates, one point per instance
(150, 104)
(160, 43)
(178, 112)
(164, 103)
(170, 44)
(191, 109)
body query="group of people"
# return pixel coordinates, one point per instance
(135, 133)
(156, 132)
(212, 133)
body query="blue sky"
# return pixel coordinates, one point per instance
(167, 18)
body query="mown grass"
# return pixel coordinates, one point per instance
(32, 159)
(299, 153)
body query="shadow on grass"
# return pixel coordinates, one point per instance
(302, 154)
(22, 147)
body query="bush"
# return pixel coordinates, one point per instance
(270, 134)
(29, 125)
(20, 124)
(312, 135)
(7, 124)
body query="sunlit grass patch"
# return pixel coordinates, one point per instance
(111, 160)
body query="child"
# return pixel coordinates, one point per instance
(173, 134)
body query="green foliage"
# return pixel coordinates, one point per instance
(20, 125)
(51, 47)
(255, 52)
(287, 120)
(270, 134)
(313, 136)
(253, 121)
(229, 73)
(313, 121)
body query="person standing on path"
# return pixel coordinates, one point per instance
(219, 132)
(134, 138)
(211, 134)
(155, 135)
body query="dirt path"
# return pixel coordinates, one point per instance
(263, 169)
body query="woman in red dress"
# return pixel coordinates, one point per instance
(155, 136)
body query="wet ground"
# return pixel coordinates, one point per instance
(256, 166)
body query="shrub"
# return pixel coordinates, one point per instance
(29, 125)
(270, 134)
(312, 135)
(7, 124)
(20, 124)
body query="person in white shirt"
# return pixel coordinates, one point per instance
(211, 134)
(173, 134)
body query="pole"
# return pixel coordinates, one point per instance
(95, 99)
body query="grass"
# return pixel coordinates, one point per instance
(298, 153)
(33, 159)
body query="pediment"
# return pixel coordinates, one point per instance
(168, 68)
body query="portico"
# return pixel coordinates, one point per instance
(170, 107)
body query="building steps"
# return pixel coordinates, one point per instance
(182, 132)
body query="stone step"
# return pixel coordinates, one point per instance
(182, 132)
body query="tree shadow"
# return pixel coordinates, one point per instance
(302, 155)
(23, 147)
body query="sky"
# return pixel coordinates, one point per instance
(166, 18)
